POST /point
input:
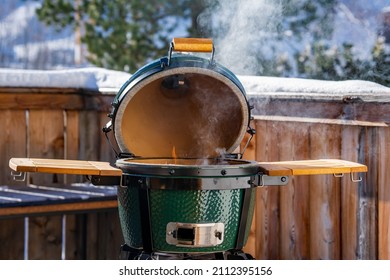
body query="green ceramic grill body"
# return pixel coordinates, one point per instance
(181, 191)
(185, 206)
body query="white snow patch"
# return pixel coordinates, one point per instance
(99, 79)
(18, 20)
(256, 84)
(92, 78)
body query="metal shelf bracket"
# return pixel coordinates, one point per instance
(18, 176)
(265, 180)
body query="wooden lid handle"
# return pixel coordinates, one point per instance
(192, 45)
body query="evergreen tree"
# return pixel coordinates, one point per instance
(119, 34)
(125, 34)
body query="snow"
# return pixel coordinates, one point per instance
(91, 78)
(25, 42)
(254, 84)
(104, 80)
(310, 89)
(17, 20)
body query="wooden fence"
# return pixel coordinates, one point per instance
(313, 217)
(64, 124)
(323, 217)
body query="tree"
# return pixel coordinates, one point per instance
(288, 38)
(119, 34)
(339, 63)
(380, 71)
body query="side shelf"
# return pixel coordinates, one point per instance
(311, 167)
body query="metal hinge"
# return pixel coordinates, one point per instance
(265, 180)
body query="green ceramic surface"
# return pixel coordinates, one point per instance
(183, 206)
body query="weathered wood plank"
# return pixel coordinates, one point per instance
(384, 194)
(367, 195)
(90, 135)
(11, 234)
(267, 219)
(324, 196)
(12, 142)
(104, 236)
(72, 142)
(343, 122)
(110, 237)
(76, 237)
(370, 111)
(349, 195)
(46, 139)
(294, 198)
(55, 100)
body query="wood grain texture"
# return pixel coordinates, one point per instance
(13, 141)
(46, 139)
(384, 194)
(341, 212)
(72, 142)
(324, 196)
(53, 99)
(297, 221)
(11, 234)
(267, 218)
(294, 197)
(368, 195)
(349, 196)
(311, 167)
(335, 109)
(64, 166)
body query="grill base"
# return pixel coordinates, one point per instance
(129, 253)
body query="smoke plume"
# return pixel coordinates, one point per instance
(239, 28)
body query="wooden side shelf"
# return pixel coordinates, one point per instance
(311, 167)
(62, 166)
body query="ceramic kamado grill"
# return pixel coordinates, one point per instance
(183, 188)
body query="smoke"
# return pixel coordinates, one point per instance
(239, 28)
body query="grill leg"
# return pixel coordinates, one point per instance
(238, 255)
(128, 253)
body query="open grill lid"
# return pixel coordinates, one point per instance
(181, 106)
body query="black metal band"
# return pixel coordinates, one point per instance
(244, 218)
(146, 227)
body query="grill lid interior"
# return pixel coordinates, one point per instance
(184, 112)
